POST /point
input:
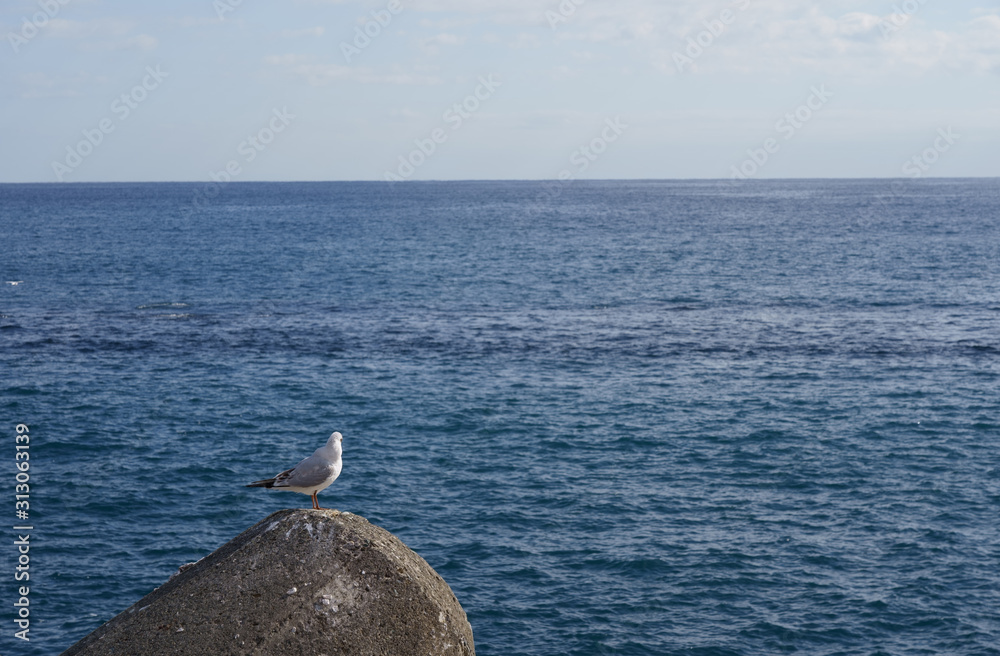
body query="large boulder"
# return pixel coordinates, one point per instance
(301, 582)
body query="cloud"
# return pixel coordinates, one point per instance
(979, 49)
(404, 113)
(433, 44)
(448, 23)
(497, 12)
(783, 39)
(842, 37)
(187, 22)
(308, 31)
(317, 73)
(760, 37)
(143, 42)
(523, 40)
(101, 35)
(858, 24)
(41, 85)
(61, 28)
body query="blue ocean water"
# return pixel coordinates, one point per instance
(695, 418)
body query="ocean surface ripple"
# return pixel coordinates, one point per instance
(691, 418)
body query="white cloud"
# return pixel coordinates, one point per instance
(143, 42)
(193, 21)
(308, 31)
(404, 113)
(433, 44)
(497, 12)
(767, 40)
(101, 35)
(523, 40)
(980, 49)
(763, 37)
(72, 29)
(858, 23)
(317, 73)
(42, 85)
(844, 37)
(448, 23)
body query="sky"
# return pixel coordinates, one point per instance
(199, 90)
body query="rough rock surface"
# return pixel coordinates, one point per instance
(301, 582)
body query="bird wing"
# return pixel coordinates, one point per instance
(311, 471)
(281, 480)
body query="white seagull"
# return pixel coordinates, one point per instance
(313, 474)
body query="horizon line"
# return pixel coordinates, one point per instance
(501, 180)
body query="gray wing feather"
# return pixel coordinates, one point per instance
(281, 479)
(309, 472)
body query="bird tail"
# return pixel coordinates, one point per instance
(268, 482)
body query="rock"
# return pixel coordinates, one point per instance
(301, 582)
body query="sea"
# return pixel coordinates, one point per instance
(699, 418)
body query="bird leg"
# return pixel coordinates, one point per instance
(315, 502)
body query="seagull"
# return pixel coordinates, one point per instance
(313, 474)
(14, 282)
